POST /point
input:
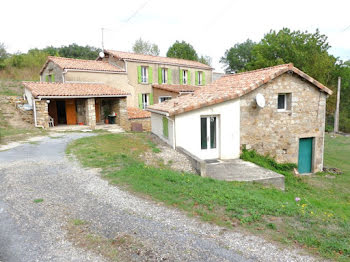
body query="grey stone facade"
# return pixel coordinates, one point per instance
(42, 113)
(90, 114)
(276, 133)
(52, 69)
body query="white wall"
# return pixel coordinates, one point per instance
(28, 96)
(187, 129)
(157, 128)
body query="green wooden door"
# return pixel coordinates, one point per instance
(305, 155)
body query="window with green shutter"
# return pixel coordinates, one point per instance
(181, 77)
(196, 78)
(159, 75)
(151, 98)
(150, 75)
(47, 78)
(170, 78)
(140, 101)
(139, 77)
(52, 78)
(189, 77)
(165, 127)
(203, 78)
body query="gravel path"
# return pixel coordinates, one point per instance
(37, 231)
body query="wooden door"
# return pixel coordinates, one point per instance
(71, 112)
(53, 111)
(97, 111)
(305, 155)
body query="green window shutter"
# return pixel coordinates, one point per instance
(159, 75)
(169, 76)
(140, 101)
(165, 127)
(47, 78)
(150, 75)
(139, 73)
(196, 78)
(203, 80)
(181, 77)
(188, 77)
(151, 98)
(52, 78)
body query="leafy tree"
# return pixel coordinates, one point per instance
(308, 52)
(237, 57)
(80, 52)
(182, 50)
(145, 47)
(3, 55)
(205, 60)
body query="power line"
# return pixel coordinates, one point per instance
(346, 28)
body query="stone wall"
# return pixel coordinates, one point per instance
(269, 131)
(81, 110)
(144, 122)
(90, 114)
(42, 113)
(52, 69)
(119, 106)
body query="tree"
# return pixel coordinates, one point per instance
(80, 52)
(237, 57)
(308, 52)
(205, 60)
(182, 50)
(145, 47)
(3, 55)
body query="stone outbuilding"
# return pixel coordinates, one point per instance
(277, 111)
(76, 103)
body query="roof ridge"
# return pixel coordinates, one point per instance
(79, 59)
(155, 56)
(260, 69)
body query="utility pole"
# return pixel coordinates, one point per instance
(336, 117)
(103, 48)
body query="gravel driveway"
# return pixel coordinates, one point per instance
(32, 231)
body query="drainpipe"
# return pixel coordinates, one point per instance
(34, 110)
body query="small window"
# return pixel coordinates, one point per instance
(184, 77)
(165, 127)
(164, 75)
(145, 101)
(144, 74)
(200, 78)
(164, 98)
(284, 102)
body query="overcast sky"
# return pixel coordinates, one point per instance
(210, 26)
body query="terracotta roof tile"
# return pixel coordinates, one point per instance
(176, 88)
(230, 87)
(44, 89)
(157, 59)
(136, 113)
(80, 64)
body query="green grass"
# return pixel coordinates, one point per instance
(78, 222)
(319, 222)
(38, 200)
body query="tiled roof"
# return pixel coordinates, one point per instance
(230, 87)
(44, 89)
(80, 64)
(136, 113)
(176, 88)
(157, 59)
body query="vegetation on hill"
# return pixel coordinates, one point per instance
(144, 47)
(307, 51)
(26, 66)
(313, 212)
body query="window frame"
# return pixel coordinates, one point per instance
(164, 73)
(200, 78)
(160, 97)
(145, 102)
(144, 74)
(184, 77)
(287, 102)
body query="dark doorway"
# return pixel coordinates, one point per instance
(61, 112)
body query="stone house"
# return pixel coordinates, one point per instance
(145, 70)
(279, 111)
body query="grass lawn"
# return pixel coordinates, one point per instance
(318, 222)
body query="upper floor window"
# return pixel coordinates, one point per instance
(164, 98)
(184, 77)
(284, 102)
(145, 101)
(164, 75)
(200, 78)
(50, 78)
(144, 74)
